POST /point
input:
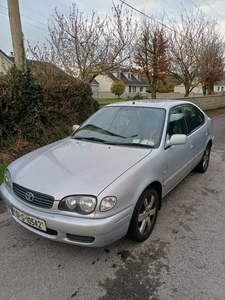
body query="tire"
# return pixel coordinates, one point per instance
(144, 216)
(204, 163)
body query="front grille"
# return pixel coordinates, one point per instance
(38, 199)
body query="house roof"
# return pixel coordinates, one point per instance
(37, 66)
(94, 82)
(133, 80)
(10, 58)
(111, 76)
(221, 82)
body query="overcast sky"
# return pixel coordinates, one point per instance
(35, 14)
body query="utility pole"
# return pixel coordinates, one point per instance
(17, 35)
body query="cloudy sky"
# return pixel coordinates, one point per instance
(35, 14)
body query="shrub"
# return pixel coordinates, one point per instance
(137, 97)
(21, 96)
(117, 88)
(42, 104)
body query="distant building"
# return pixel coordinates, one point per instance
(181, 89)
(134, 84)
(6, 62)
(219, 87)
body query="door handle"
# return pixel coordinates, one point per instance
(191, 146)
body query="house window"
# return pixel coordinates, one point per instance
(129, 89)
(222, 89)
(218, 89)
(134, 89)
(118, 74)
(141, 88)
(128, 75)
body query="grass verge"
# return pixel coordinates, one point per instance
(2, 170)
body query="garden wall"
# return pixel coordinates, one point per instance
(204, 102)
(208, 102)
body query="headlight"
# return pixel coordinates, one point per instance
(107, 203)
(83, 205)
(7, 177)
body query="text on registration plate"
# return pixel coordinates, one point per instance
(32, 221)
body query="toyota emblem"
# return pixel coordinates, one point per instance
(29, 196)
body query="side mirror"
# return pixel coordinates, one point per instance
(75, 127)
(176, 139)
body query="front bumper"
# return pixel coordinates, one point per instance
(78, 231)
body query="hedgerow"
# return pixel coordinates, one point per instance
(42, 104)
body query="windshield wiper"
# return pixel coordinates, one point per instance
(89, 139)
(137, 145)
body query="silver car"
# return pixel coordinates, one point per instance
(108, 178)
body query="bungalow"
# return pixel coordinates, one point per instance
(134, 84)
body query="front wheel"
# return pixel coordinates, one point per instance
(144, 216)
(204, 163)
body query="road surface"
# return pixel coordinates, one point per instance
(183, 259)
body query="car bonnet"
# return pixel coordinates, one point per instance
(75, 167)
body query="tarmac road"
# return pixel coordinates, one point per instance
(183, 259)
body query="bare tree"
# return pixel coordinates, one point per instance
(86, 49)
(185, 44)
(150, 54)
(211, 60)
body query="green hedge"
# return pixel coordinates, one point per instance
(42, 104)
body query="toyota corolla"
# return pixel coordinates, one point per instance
(108, 178)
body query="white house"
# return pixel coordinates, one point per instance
(134, 84)
(219, 87)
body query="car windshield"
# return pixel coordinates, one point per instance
(124, 125)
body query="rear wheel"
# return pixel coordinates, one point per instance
(204, 163)
(144, 216)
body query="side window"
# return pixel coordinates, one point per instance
(177, 123)
(195, 118)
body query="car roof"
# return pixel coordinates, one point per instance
(162, 103)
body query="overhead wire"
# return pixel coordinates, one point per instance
(147, 16)
(23, 21)
(205, 12)
(140, 12)
(213, 10)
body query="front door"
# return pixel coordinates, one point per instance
(178, 157)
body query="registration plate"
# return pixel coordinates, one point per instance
(30, 220)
